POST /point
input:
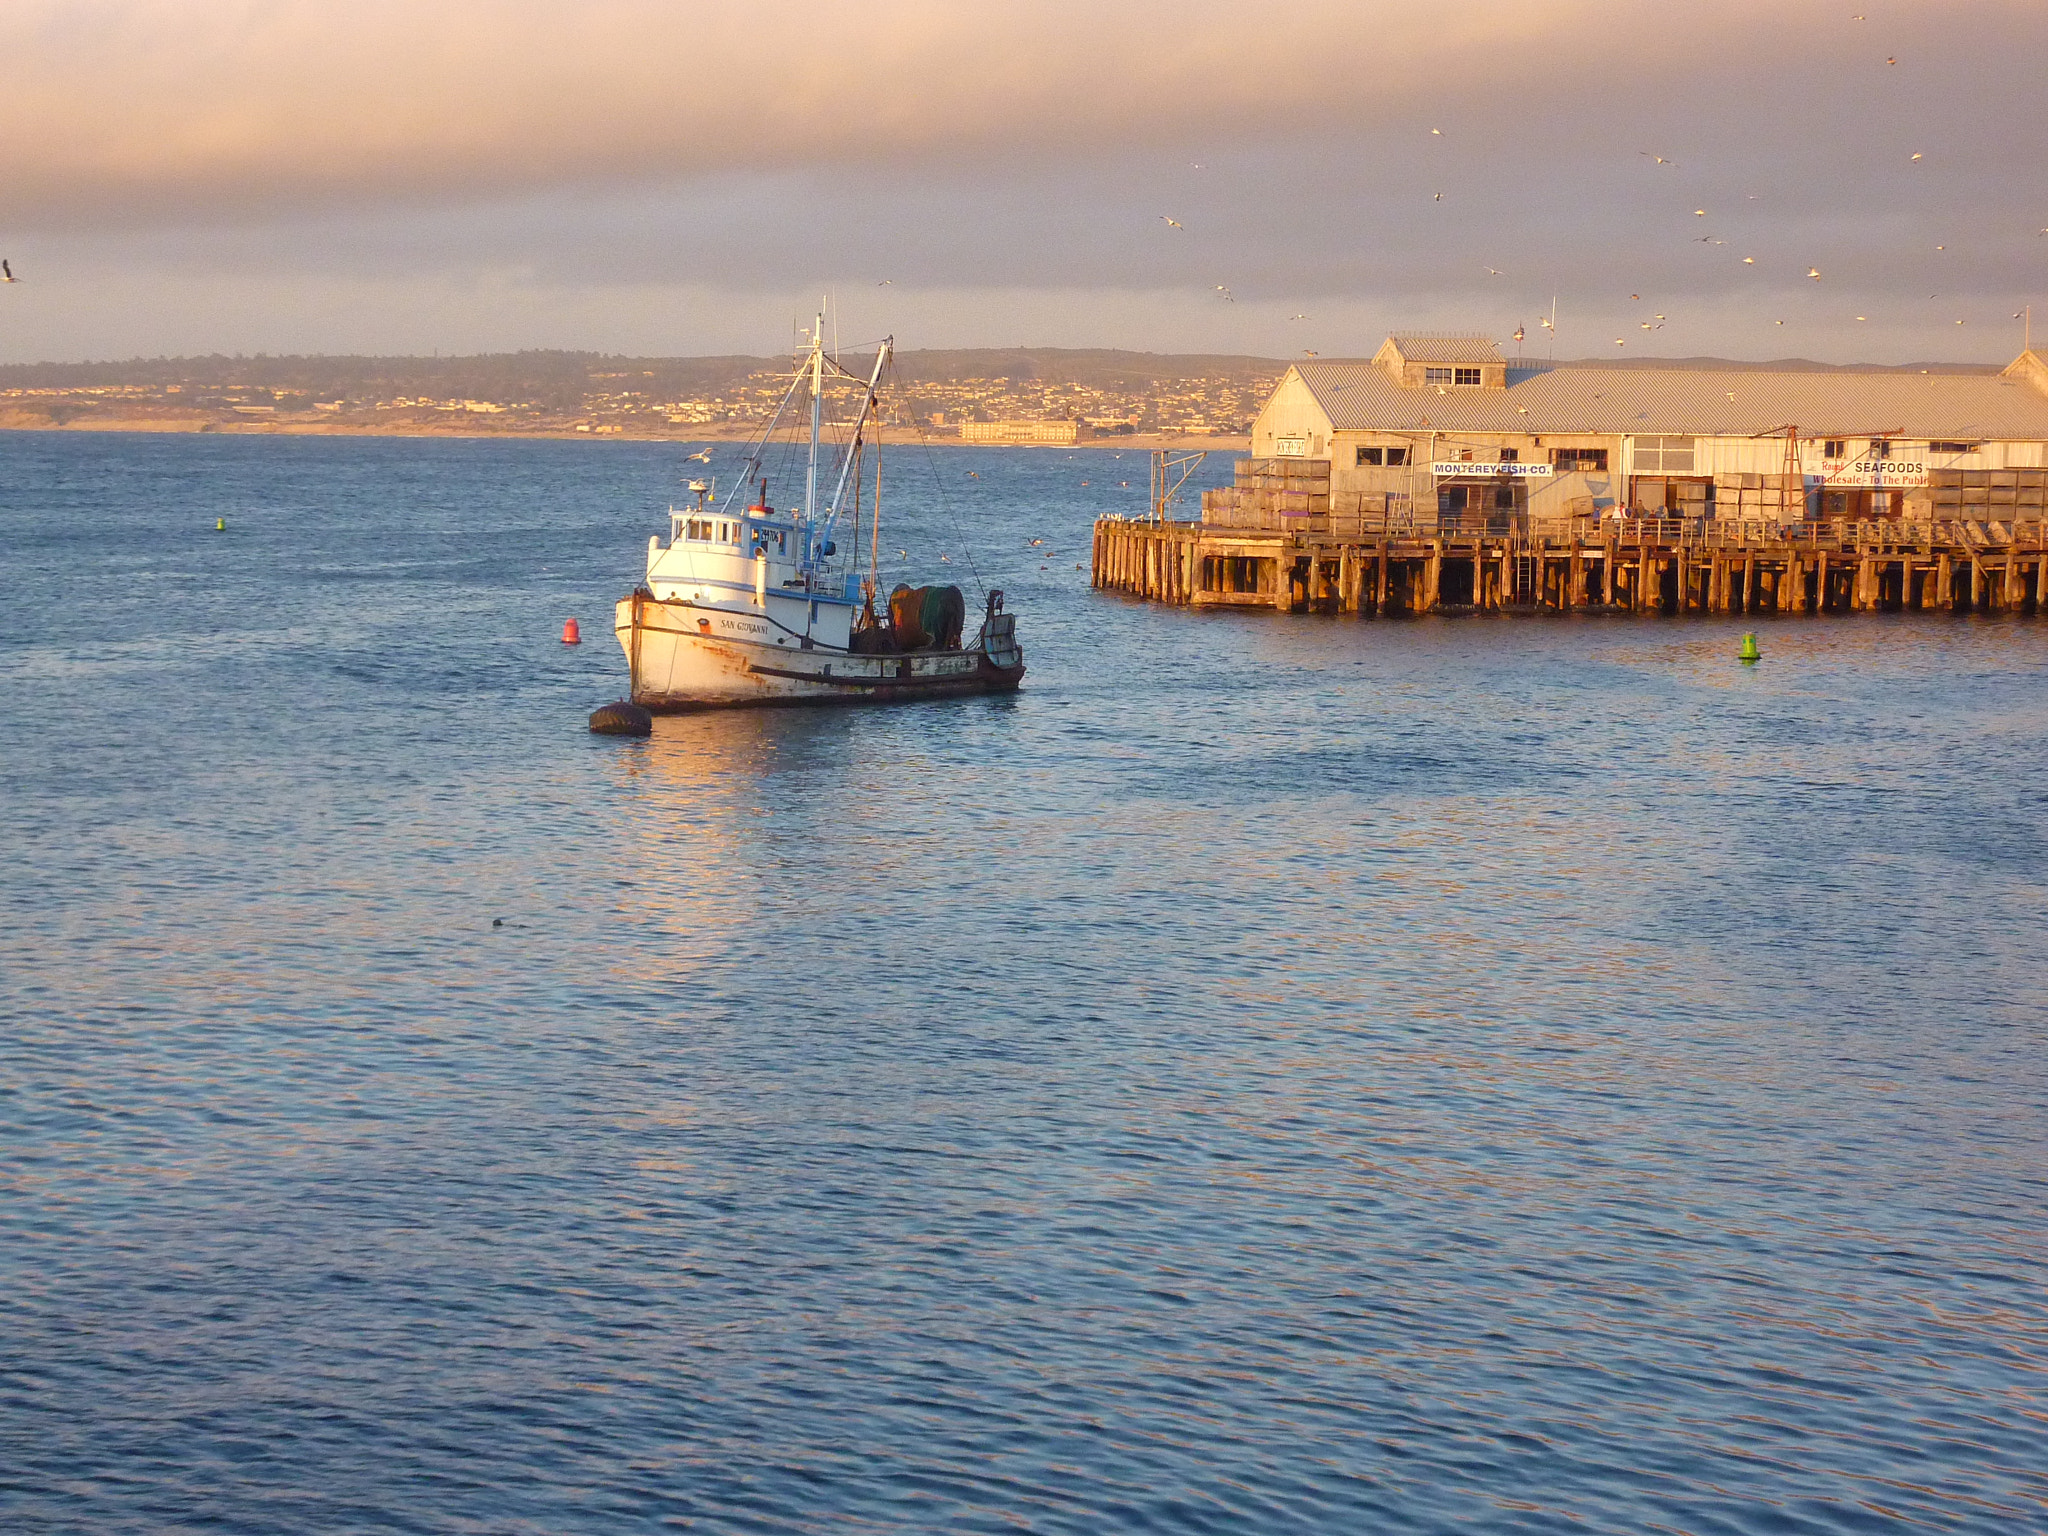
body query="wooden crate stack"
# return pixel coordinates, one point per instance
(1752, 498)
(1268, 491)
(1981, 493)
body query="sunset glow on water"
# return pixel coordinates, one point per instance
(1270, 1074)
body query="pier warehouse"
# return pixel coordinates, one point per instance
(1446, 425)
(1438, 474)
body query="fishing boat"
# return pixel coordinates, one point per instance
(750, 604)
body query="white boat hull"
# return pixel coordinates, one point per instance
(688, 656)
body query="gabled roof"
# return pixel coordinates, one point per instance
(1469, 349)
(1688, 402)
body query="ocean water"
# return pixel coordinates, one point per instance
(1521, 1074)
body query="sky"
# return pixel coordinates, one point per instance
(672, 177)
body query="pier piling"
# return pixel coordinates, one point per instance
(1630, 565)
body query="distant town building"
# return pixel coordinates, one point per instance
(1052, 433)
(1448, 424)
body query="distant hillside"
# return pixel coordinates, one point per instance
(563, 379)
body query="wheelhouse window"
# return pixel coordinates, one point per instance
(1579, 460)
(1664, 455)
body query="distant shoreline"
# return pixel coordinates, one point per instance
(713, 433)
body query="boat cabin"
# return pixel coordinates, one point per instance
(747, 572)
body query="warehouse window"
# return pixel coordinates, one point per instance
(1465, 375)
(1436, 375)
(1831, 448)
(1397, 456)
(1371, 456)
(1880, 449)
(1663, 455)
(1951, 447)
(1581, 460)
(1510, 455)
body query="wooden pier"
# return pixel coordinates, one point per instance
(1635, 565)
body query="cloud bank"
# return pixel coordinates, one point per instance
(518, 169)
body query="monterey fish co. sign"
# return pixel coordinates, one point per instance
(1451, 469)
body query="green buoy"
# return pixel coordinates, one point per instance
(1749, 655)
(220, 525)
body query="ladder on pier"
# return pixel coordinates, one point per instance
(1525, 579)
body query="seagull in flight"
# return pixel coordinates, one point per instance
(1176, 223)
(1306, 353)
(1495, 272)
(1814, 273)
(887, 282)
(1226, 294)
(1658, 158)
(1297, 317)
(700, 458)
(7, 273)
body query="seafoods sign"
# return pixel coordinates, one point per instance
(1451, 469)
(1874, 474)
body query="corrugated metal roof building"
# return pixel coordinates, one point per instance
(1450, 416)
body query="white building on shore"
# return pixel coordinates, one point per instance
(1444, 425)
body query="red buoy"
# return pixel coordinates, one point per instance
(571, 635)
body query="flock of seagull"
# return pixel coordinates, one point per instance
(1709, 239)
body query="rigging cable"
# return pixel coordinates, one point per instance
(946, 506)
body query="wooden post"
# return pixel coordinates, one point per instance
(1433, 576)
(1379, 591)
(1749, 602)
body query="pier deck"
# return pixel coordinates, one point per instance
(1638, 565)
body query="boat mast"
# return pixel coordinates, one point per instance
(817, 415)
(860, 423)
